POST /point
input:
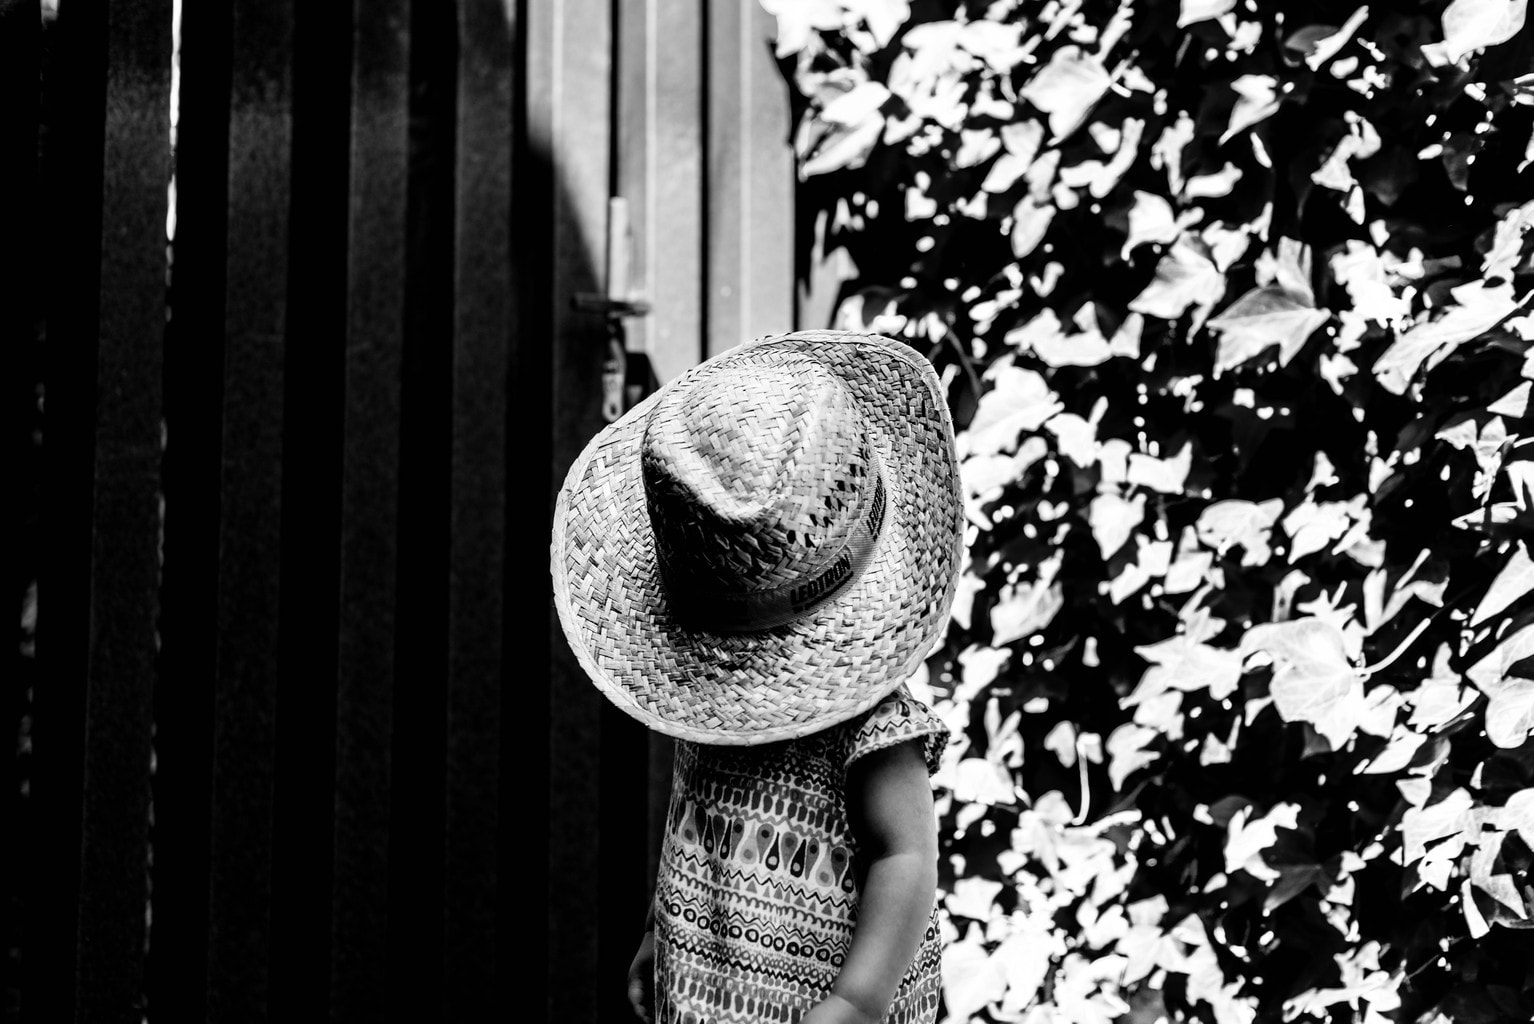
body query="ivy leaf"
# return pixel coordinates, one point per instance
(1167, 150)
(1007, 169)
(1098, 177)
(883, 17)
(1146, 947)
(1448, 819)
(1247, 837)
(1237, 522)
(1396, 755)
(1026, 956)
(975, 780)
(824, 147)
(1510, 715)
(1165, 475)
(1190, 570)
(1293, 880)
(1488, 445)
(1521, 476)
(929, 75)
(1024, 609)
(1440, 698)
(1506, 248)
(1213, 185)
(1502, 888)
(984, 476)
(1479, 309)
(1127, 753)
(1499, 519)
(1182, 663)
(857, 104)
(1428, 586)
(1113, 518)
(1003, 743)
(1515, 403)
(1019, 400)
(1362, 986)
(1075, 438)
(1193, 11)
(1046, 338)
(971, 978)
(1361, 270)
(1227, 243)
(1185, 276)
(1312, 525)
(1061, 741)
(1023, 138)
(973, 897)
(1260, 319)
(980, 667)
(1162, 713)
(1022, 141)
(1320, 43)
(1067, 88)
(1470, 25)
(1313, 680)
(976, 146)
(964, 594)
(1152, 559)
(1517, 815)
(993, 42)
(1030, 223)
(798, 20)
(1515, 580)
(1336, 172)
(1150, 221)
(1257, 98)
(1218, 750)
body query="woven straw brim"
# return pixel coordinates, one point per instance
(786, 682)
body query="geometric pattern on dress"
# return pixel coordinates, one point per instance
(757, 892)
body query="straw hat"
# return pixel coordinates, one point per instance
(767, 545)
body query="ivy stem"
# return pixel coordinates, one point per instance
(1411, 638)
(1086, 792)
(964, 361)
(1369, 670)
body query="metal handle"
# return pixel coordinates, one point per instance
(616, 305)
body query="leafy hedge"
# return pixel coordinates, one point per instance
(1233, 303)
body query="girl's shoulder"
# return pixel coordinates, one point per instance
(899, 718)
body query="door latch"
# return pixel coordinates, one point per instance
(616, 306)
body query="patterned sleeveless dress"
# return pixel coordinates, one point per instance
(757, 895)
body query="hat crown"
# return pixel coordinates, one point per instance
(757, 482)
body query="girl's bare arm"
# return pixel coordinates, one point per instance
(889, 801)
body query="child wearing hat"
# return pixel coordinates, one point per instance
(754, 561)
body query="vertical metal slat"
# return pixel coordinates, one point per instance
(194, 388)
(660, 161)
(751, 179)
(369, 501)
(483, 322)
(303, 801)
(73, 86)
(21, 370)
(568, 66)
(416, 812)
(260, 149)
(114, 857)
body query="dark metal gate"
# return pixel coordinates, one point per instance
(297, 735)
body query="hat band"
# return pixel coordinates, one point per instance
(764, 609)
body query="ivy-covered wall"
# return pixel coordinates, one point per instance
(1233, 303)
